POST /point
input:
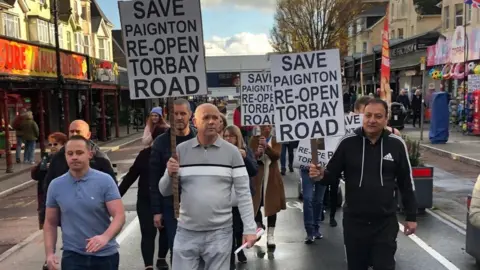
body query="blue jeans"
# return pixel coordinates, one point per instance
(286, 148)
(313, 193)
(29, 154)
(19, 148)
(75, 261)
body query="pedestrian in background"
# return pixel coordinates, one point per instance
(30, 134)
(155, 119)
(86, 199)
(474, 213)
(223, 124)
(140, 170)
(268, 183)
(233, 135)
(17, 126)
(287, 148)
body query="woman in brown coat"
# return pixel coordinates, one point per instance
(268, 182)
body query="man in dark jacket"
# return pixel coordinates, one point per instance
(374, 163)
(162, 207)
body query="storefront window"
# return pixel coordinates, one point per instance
(11, 26)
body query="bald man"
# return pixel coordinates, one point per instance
(209, 169)
(58, 165)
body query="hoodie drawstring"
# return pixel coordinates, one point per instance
(381, 161)
(363, 162)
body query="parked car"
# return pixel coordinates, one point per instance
(472, 245)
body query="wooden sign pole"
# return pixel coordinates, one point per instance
(315, 145)
(173, 149)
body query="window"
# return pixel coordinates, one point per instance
(458, 15)
(86, 45)
(400, 33)
(43, 31)
(107, 50)
(403, 8)
(69, 40)
(392, 12)
(78, 40)
(360, 25)
(11, 25)
(101, 48)
(60, 36)
(469, 13)
(84, 13)
(446, 17)
(350, 30)
(392, 34)
(364, 47)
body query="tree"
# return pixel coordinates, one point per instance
(309, 25)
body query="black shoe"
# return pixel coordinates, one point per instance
(162, 264)
(318, 236)
(309, 240)
(322, 217)
(241, 257)
(333, 222)
(291, 169)
(283, 171)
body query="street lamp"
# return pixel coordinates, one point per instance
(59, 67)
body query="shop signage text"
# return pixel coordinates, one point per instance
(404, 50)
(28, 60)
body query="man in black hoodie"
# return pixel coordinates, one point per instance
(374, 162)
(162, 207)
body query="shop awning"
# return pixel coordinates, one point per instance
(407, 61)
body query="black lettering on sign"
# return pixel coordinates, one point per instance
(166, 65)
(259, 78)
(301, 131)
(158, 8)
(352, 120)
(258, 114)
(303, 112)
(303, 150)
(161, 28)
(304, 61)
(305, 159)
(284, 96)
(188, 86)
(314, 77)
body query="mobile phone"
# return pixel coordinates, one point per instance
(256, 131)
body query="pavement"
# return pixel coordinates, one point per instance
(105, 146)
(465, 148)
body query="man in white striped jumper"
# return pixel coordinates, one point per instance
(208, 167)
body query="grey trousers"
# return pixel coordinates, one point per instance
(206, 250)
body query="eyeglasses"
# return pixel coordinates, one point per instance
(53, 144)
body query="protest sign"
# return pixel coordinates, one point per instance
(163, 43)
(308, 95)
(257, 99)
(303, 155)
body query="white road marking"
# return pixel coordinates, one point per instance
(131, 227)
(437, 256)
(449, 221)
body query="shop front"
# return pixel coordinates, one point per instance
(405, 57)
(28, 80)
(349, 68)
(454, 64)
(105, 99)
(366, 65)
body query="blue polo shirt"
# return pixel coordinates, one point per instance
(83, 210)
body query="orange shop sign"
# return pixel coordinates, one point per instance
(29, 60)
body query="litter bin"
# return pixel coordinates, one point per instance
(398, 116)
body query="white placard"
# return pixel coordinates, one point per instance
(303, 155)
(308, 95)
(163, 43)
(257, 99)
(473, 82)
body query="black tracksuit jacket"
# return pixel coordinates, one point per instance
(372, 173)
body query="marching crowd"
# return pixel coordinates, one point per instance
(225, 180)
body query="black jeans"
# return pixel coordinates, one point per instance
(271, 220)
(74, 261)
(370, 242)
(237, 234)
(331, 198)
(417, 116)
(149, 233)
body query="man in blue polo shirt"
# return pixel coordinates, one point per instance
(86, 199)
